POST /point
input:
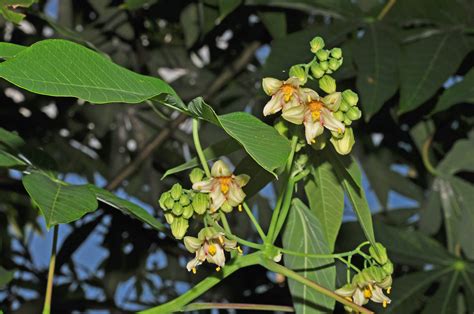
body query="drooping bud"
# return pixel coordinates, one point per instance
(347, 121)
(169, 218)
(317, 43)
(316, 70)
(299, 72)
(176, 191)
(169, 203)
(226, 208)
(354, 113)
(378, 253)
(334, 64)
(163, 198)
(333, 101)
(179, 226)
(324, 65)
(344, 107)
(200, 203)
(350, 97)
(339, 115)
(177, 209)
(196, 175)
(188, 212)
(327, 84)
(388, 268)
(281, 127)
(322, 55)
(344, 145)
(184, 200)
(336, 53)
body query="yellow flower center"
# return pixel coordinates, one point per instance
(218, 268)
(384, 303)
(212, 250)
(315, 107)
(367, 293)
(225, 183)
(194, 270)
(288, 91)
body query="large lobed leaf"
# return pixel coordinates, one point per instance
(303, 233)
(458, 93)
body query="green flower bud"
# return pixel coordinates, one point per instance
(350, 97)
(177, 209)
(163, 198)
(302, 160)
(347, 121)
(378, 253)
(316, 70)
(336, 53)
(333, 101)
(388, 268)
(324, 65)
(344, 107)
(299, 72)
(316, 44)
(200, 203)
(188, 212)
(339, 115)
(179, 226)
(334, 64)
(176, 191)
(196, 175)
(354, 113)
(169, 218)
(344, 145)
(169, 203)
(226, 208)
(329, 71)
(327, 84)
(184, 200)
(281, 127)
(322, 55)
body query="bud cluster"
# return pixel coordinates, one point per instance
(325, 61)
(348, 110)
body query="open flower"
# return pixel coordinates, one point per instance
(224, 187)
(316, 114)
(209, 246)
(360, 293)
(285, 94)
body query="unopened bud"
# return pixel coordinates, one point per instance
(169, 218)
(336, 53)
(169, 203)
(196, 175)
(347, 121)
(344, 145)
(334, 64)
(179, 226)
(176, 191)
(317, 43)
(316, 70)
(350, 97)
(339, 115)
(378, 253)
(388, 268)
(226, 208)
(200, 203)
(188, 212)
(324, 65)
(184, 200)
(177, 209)
(354, 113)
(327, 84)
(344, 107)
(163, 198)
(281, 126)
(299, 72)
(322, 54)
(333, 101)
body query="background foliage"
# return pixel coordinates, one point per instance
(411, 62)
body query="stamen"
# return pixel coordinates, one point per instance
(287, 91)
(221, 240)
(339, 130)
(240, 207)
(389, 290)
(218, 268)
(225, 183)
(194, 270)
(384, 303)
(367, 293)
(212, 249)
(239, 250)
(313, 141)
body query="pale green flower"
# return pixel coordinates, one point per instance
(285, 94)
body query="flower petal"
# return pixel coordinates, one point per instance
(242, 179)
(204, 186)
(293, 81)
(273, 105)
(330, 122)
(193, 264)
(220, 169)
(313, 129)
(218, 258)
(359, 298)
(332, 101)
(294, 114)
(218, 198)
(192, 244)
(236, 195)
(347, 290)
(271, 85)
(378, 296)
(309, 94)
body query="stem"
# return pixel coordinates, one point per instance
(225, 222)
(385, 9)
(237, 306)
(206, 284)
(339, 256)
(272, 266)
(52, 264)
(236, 238)
(285, 209)
(425, 157)
(254, 221)
(197, 145)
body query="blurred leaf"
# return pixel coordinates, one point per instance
(262, 142)
(421, 132)
(275, 22)
(137, 4)
(348, 172)
(227, 6)
(303, 233)
(189, 20)
(376, 57)
(426, 64)
(444, 301)
(326, 199)
(5, 276)
(58, 202)
(259, 176)
(9, 50)
(7, 160)
(212, 152)
(126, 207)
(458, 93)
(11, 139)
(458, 158)
(430, 214)
(7, 9)
(412, 247)
(464, 198)
(62, 68)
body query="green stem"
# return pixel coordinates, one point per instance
(339, 256)
(254, 221)
(203, 286)
(237, 306)
(385, 9)
(272, 266)
(225, 222)
(52, 264)
(236, 238)
(197, 145)
(284, 209)
(425, 157)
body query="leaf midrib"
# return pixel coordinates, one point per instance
(53, 205)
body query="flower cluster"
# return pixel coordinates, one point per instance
(299, 105)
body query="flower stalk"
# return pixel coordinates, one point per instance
(52, 265)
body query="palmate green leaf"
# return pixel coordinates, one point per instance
(58, 202)
(459, 93)
(303, 233)
(275, 22)
(8, 12)
(262, 142)
(136, 4)
(8, 161)
(259, 177)
(376, 57)
(349, 173)
(212, 152)
(426, 64)
(326, 198)
(57, 67)
(227, 6)
(11, 139)
(444, 301)
(9, 50)
(5, 276)
(126, 207)
(459, 158)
